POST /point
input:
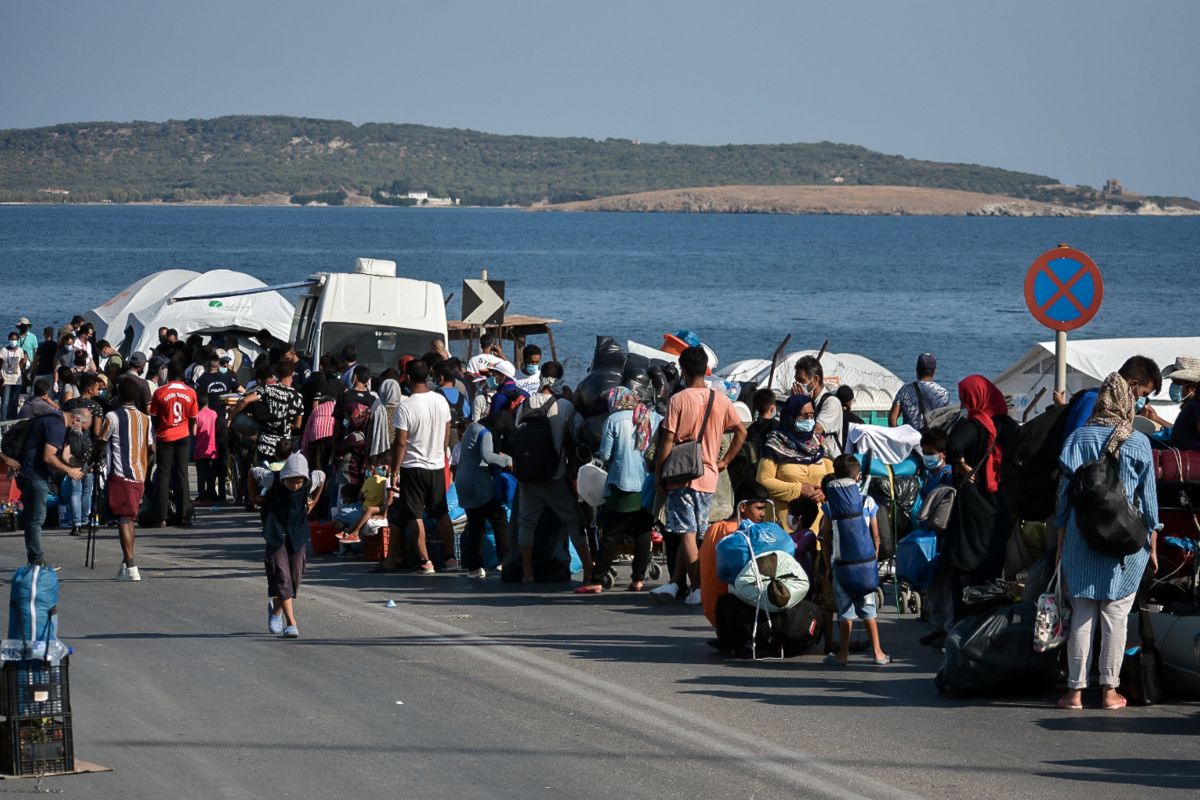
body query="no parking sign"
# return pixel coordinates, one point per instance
(1063, 290)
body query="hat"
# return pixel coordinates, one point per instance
(296, 466)
(505, 368)
(137, 360)
(743, 412)
(24, 321)
(225, 359)
(1186, 369)
(926, 364)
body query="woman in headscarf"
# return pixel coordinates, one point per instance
(317, 441)
(627, 434)
(383, 411)
(1103, 588)
(794, 460)
(977, 536)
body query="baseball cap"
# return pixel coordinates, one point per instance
(926, 363)
(24, 321)
(225, 359)
(137, 360)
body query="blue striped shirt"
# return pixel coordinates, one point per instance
(1088, 573)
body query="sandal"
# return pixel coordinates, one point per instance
(1117, 704)
(589, 588)
(1065, 706)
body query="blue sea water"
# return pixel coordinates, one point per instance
(886, 287)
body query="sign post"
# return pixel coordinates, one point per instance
(483, 302)
(1063, 290)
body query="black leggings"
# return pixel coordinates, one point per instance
(619, 526)
(472, 548)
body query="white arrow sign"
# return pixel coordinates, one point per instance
(483, 302)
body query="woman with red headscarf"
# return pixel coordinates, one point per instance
(977, 536)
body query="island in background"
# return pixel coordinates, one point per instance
(276, 160)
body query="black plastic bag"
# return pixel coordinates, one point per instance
(589, 432)
(992, 655)
(591, 395)
(608, 354)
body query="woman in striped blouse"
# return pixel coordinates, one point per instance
(1101, 587)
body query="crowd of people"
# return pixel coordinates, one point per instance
(390, 453)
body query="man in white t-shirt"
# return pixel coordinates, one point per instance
(420, 453)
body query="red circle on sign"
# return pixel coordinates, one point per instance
(1087, 268)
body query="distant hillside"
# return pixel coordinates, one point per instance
(246, 157)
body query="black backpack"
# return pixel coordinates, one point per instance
(458, 411)
(1029, 476)
(1108, 521)
(535, 458)
(14, 438)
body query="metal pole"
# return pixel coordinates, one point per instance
(1060, 362)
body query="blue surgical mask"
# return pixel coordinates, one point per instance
(492, 383)
(1140, 404)
(932, 462)
(1176, 392)
(805, 425)
(530, 369)
(223, 370)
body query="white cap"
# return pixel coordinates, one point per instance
(505, 368)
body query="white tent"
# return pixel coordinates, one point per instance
(245, 314)
(874, 385)
(1089, 362)
(112, 316)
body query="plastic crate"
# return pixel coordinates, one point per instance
(375, 548)
(31, 689)
(323, 539)
(38, 746)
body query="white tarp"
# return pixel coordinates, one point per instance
(1089, 362)
(874, 385)
(246, 314)
(111, 316)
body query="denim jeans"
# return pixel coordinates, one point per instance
(80, 493)
(8, 406)
(34, 491)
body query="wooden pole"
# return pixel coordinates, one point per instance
(553, 348)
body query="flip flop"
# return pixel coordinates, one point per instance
(1065, 706)
(1120, 703)
(589, 588)
(882, 662)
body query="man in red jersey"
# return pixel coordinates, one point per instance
(174, 411)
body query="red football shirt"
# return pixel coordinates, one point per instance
(173, 405)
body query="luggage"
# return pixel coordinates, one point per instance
(771, 581)
(1174, 466)
(1142, 675)
(1029, 477)
(854, 565)
(787, 633)
(916, 558)
(896, 496)
(33, 604)
(877, 469)
(992, 655)
(608, 354)
(733, 553)
(591, 395)
(1108, 522)
(535, 457)
(323, 538)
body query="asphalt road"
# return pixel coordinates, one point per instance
(470, 690)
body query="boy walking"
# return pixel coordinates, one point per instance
(130, 438)
(286, 502)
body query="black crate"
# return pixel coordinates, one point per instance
(34, 689)
(41, 746)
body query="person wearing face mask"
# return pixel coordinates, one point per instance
(29, 342)
(1185, 380)
(13, 364)
(936, 473)
(1143, 376)
(531, 368)
(794, 461)
(810, 380)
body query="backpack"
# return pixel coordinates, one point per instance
(33, 605)
(535, 458)
(13, 441)
(854, 566)
(1108, 521)
(458, 411)
(1029, 477)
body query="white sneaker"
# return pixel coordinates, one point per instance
(123, 572)
(477, 573)
(129, 574)
(667, 593)
(693, 598)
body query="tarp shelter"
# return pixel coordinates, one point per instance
(1089, 362)
(112, 316)
(874, 385)
(245, 314)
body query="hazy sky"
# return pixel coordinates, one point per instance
(1081, 91)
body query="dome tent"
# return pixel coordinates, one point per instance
(245, 314)
(874, 385)
(112, 316)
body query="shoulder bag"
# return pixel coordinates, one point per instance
(685, 462)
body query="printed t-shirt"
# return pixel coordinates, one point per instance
(173, 405)
(129, 436)
(424, 415)
(684, 415)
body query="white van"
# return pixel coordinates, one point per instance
(383, 316)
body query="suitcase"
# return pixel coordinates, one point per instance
(1177, 466)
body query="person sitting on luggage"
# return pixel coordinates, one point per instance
(287, 498)
(802, 519)
(627, 434)
(750, 506)
(937, 473)
(371, 505)
(846, 468)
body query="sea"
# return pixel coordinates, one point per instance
(887, 288)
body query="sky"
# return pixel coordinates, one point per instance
(1080, 91)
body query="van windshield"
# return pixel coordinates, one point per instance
(378, 347)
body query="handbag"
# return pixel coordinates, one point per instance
(1142, 668)
(685, 462)
(1051, 623)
